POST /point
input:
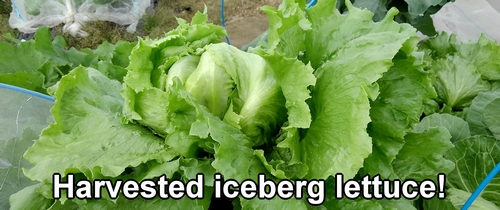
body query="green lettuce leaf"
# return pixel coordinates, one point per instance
(287, 27)
(419, 7)
(403, 90)
(475, 115)
(491, 117)
(484, 55)
(12, 163)
(378, 7)
(183, 68)
(247, 82)
(88, 135)
(117, 53)
(155, 203)
(246, 90)
(29, 198)
(56, 51)
(19, 65)
(360, 203)
(294, 79)
(474, 158)
(319, 44)
(457, 81)
(495, 85)
(458, 128)
(234, 156)
(455, 199)
(337, 141)
(415, 12)
(422, 156)
(440, 204)
(460, 71)
(40, 63)
(150, 60)
(191, 167)
(440, 46)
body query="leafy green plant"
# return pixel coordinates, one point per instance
(415, 12)
(328, 93)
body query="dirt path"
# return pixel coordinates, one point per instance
(242, 30)
(245, 21)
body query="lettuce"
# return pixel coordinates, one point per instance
(475, 157)
(328, 93)
(40, 63)
(461, 71)
(415, 12)
(465, 76)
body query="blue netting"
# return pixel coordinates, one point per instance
(23, 115)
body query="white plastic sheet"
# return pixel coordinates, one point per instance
(468, 19)
(28, 15)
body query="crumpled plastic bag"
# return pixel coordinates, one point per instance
(28, 15)
(468, 19)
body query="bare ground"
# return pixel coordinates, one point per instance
(245, 21)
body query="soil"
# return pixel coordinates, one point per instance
(244, 22)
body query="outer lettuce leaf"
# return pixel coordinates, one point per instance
(415, 12)
(331, 30)
(118, 53)
(29, 198)
(491, 117)
(441, 45)
(155, 203)
(495, 85)
(19, 66)
(419, 7)
(422, 156)
(458, 128)
(287, 26)
(40, 63)
(457, 81)
(455, 199)
(484, 55)
(378, 7)
(55, 50)
(109, 59)
(462, 70)
(403, 90)
(474, 158)
(121, 202)
(459, 197)
(337, 141)
(363, 204)
(191, 167)
(88, 135)
(475, 116)
(440, 204)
